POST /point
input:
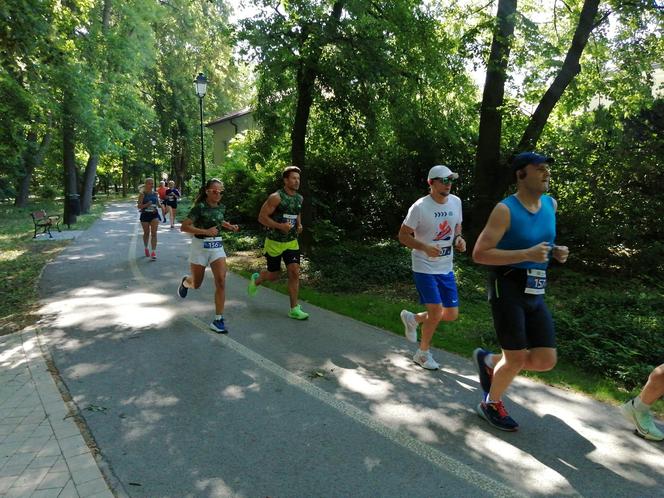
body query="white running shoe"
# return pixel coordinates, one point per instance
(425, 360)
(410, 325)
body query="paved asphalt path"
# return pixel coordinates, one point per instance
(328, 407)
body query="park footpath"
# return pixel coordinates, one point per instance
(121, 389)
(42, 451)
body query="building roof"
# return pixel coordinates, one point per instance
(232, 115)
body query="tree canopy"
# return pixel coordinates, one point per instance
(364, 96)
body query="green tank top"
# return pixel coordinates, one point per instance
(204, 216)
(287, 211)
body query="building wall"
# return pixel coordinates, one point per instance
(225, 131)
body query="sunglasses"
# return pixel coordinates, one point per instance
(445, 181)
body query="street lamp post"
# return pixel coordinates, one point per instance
(201, 86)
(154, 163)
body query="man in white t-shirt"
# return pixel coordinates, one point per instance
(432, 229)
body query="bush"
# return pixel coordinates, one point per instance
(48, 192)
(357, 266)
(616, 334)
(248, 177)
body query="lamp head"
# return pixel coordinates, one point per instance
(200, 83)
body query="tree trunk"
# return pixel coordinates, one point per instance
(90, 174)
(305, 84)
(490, 174)
(124, 173)
(180, 169)
(32, 158)
(69, 157)
(106, 15)
(89, 179)
(568, 72)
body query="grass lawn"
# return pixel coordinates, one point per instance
(22, 258)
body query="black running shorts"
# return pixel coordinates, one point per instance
(289, 256)
(148, 217)
(522, 321)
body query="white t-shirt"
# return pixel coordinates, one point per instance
(434, 224)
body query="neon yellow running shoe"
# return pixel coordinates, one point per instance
(297, 313)
(253, 288)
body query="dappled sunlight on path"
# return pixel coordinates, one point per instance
(90, 307)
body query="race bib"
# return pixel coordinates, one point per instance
(213, 243)
(445, 251)
(442, 252)
(291, 219)
(535, 281)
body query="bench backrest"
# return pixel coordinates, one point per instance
(38, 215)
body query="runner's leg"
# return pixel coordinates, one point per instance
(293, 271)
(154, 224)
(146, 233)
(195, 280)
(654, 388)
(218, 267)
(172, 214)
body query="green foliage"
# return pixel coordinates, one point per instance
(48, 192)
(247, 182)
(615, 334)
(358, 266)
(325, 233)
(609, 186)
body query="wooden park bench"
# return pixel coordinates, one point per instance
(44, 222)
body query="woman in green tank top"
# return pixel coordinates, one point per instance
(205, 221)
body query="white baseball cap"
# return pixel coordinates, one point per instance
(441, 171)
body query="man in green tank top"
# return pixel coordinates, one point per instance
(281, 215)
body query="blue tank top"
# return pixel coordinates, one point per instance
(152, 197)
(528, 229)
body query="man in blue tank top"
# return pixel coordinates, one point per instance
(517, 244)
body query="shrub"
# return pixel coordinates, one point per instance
(48, 192)
(614, 332)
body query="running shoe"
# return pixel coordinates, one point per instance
(297, 313)
(410, 325)
(147, 252)
(253, 288)
(153, 256)
(643, 421)
(182, 290)
(218, 326)
(497, 416)
(425, 360)
(485, 373)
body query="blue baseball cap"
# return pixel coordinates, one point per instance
(525, 158)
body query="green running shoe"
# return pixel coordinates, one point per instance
(643, 421)
(253, 288)
(297, 313)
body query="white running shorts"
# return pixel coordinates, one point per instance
(205, 251)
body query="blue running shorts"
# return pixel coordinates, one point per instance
(437, 289)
